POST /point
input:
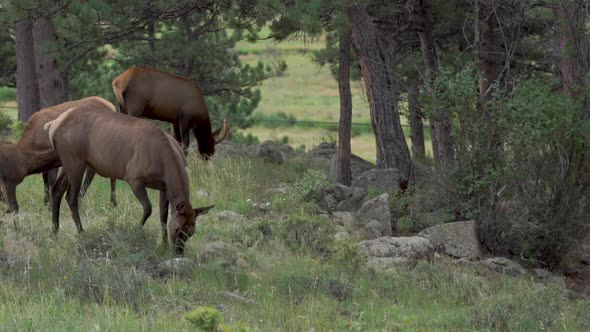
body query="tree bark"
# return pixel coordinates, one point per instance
(344, 134)
(50, 79)
(379, 82)
(27, 95)
(440, 123)
(490, 59)
(416, 125)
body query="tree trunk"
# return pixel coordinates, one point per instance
(440, 123)
(378, 78)
(344, 134)
(490, 59)
(50, 79)
(152, 43)
(27, 94)
(416, 125)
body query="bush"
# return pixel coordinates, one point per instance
(307, 235)
(208, 319)
(6, 125)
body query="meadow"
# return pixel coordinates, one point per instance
(112, 277)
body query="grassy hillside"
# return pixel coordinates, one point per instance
(110, 278)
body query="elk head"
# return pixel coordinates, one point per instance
(207, 144)
(182, 225)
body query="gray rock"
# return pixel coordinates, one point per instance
(341, 233)
(203, 193)
(324, 150)
(357, 166)
(339, 197)
(177, 263)
(218, 250)
(542, 273)
(377, 209)
(374, 229)
(232, 150)
(504, 265)
(230, 216)
(456, 239)
(386, 252)
(343, 218)
(386, 180)
(278, 190)
(269, 154)
(285, 150)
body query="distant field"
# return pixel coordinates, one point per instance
(305, 92)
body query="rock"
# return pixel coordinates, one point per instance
(241, 263)
(285, 150)
(374, 229)
(357, 166)
(504, 265)
(203, 193)
(343, 218)
(440, 216)
(177, 263)
(542, 273)
(230, 216)
(339, 197)
(385, 252)
(232, 150)
(269, 154)
(218, 250)
(377, 209)
(275, 191)
(383, 179)
(324, 150)
(456, 239)
(341, 233)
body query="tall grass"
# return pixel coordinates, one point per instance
(299, 278)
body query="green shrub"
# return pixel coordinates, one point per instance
(6, 124)
(310, 185)
(307, 234)
(248, 139)
(204, 318)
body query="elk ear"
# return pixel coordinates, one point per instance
(181, 208)
(203, 210)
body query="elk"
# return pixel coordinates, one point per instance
(33, 152)
(126, 148)
(155, 94)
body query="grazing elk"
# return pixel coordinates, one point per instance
(158, 95)
(33, 152)
(126, 148)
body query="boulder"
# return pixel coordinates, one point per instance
(269, 154)
(542, 273)
(377, 216)
(386, 180)
(456, 239)
(177, 263)
(218, 250)
(230, 216)
(339, 197)
(504, 265)
(386, 252)
(324, 150)
(343, 218)
(357, 165)
(232, 150)
(285, 150)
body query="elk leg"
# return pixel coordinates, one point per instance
(10, 188)
(75, 175)
(58, 190)
(185, 137)
(49, 179)
(176, 132)
(138, 189)
(113, 190)
(164, 217)
(90, 173)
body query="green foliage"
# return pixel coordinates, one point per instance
(6, 124)
(247, 139)
(204, 318)
(7, 94)
(308, 188)
(307, 235)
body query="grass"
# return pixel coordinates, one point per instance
(110, 278)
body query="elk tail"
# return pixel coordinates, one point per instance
(52, 125)
(118, 91)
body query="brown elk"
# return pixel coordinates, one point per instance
(33, 152)
(126, 148)
(158, 95)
